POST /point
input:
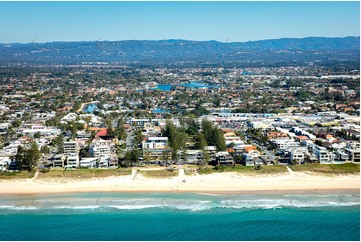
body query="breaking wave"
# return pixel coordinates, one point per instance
(196, 203)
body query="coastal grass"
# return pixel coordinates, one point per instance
(158, 173)
(250, 170)
(112, 172)
(51, 174)
(79, 173)
(124, 171)
(346, 168)
(254, 169)
(85, 173)
(17, 175)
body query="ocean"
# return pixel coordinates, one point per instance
(180, 216)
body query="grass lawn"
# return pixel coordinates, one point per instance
(158, 173)
(16, 175)
(346, 168)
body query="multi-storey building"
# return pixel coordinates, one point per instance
(322, 154)
(353, 151)
(71, 151)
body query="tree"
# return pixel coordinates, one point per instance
(37, 135)
(200, 141)
(192, 128)
(27, 158)
(219, 140)
(213, 135)
(177, 139)
(45, 149)
(59, 143)
(84, 152)
(20, 157)
(128, 156)
(207, 127)
(339, 97)
(134, 155)
(32, 156)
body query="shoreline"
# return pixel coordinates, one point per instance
(230, 183)
(211, 193)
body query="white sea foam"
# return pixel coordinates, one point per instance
(223, 202)
(75, 207)
(283, 203)
(130, 207)
(14, 207)
(193, 205)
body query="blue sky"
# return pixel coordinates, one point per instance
(223, 21)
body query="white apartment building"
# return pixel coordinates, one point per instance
(31, 129)
(155, 147)
(322, 154)
(90, 162)
(155, 143)
(71, 150)
(353, 151)
(298, 154)
(191, 156)
(284, 144)
(100, 148)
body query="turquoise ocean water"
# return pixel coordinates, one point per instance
(180, 216)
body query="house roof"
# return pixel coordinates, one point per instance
(103, 132)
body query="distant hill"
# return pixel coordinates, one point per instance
(290, 51)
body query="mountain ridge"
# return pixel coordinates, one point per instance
(292, 50)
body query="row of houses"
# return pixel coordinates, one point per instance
(102, 155)
(309, 152)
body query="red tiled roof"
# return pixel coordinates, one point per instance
(103, 132)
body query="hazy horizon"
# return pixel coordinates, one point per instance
(101, 40)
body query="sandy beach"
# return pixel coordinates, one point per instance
(213, 183)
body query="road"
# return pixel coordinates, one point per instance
(268, 153)
(129, 141)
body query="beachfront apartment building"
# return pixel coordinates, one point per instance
(99, 148)
(156, 148)
(57, 160)
(224, 158)
(210, 150)
(323, 156)
(298, 154)
(104, 151)
(90, 162)
(71, 148)
(191, 156)
(250, 158)
(353, 151)
(71, 151)
(339, 156)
